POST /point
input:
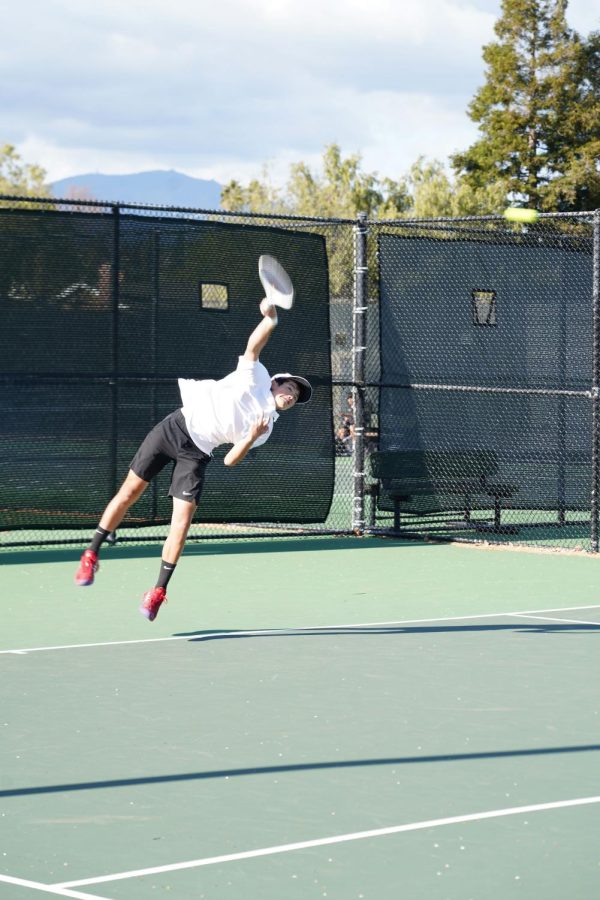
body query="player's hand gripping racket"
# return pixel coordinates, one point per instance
(279, 290)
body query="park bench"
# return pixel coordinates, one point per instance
(424, 482)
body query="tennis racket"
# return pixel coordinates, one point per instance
(276, 282)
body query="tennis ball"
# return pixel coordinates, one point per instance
(517, 214)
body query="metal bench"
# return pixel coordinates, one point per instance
(422, 482)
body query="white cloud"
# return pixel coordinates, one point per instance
(217, 89)
(583, 16)
(61, 161)
(399, 127)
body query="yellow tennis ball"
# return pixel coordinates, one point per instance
(518, 214)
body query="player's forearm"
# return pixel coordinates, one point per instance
(238, 452)
(259, 337)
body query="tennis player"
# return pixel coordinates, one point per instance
(240, 409)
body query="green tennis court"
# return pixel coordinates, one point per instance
(307, 718)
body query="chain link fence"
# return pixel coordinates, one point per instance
(489, 379)
(104, 307)
(455, 364)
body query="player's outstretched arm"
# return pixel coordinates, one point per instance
(263, 331)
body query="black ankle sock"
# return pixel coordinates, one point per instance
(99, 537)
(166, 570)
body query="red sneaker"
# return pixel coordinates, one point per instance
(88, 566)
(151, 602)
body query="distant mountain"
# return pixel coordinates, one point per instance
(167, 188)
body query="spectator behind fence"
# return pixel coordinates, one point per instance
(343, 441)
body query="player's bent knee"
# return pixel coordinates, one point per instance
(129, 496)
(132, 488)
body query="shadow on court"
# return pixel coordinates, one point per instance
(208, 547)
(546, 628)
(299, 767)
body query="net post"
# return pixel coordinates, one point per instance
(114, 387)
(359, 333)
(595, 393)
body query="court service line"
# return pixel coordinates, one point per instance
(293, 630)
(337, 839)
(50, 888)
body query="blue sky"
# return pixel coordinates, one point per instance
(221, 88)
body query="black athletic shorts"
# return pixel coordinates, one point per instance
(169, 441)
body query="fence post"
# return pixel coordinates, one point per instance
(359, 334)
(595, 382)
(114, 381)
(154, 351)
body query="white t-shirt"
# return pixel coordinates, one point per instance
(222, 412)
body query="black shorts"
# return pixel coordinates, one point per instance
(169, 441)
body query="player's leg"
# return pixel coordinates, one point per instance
(181, 519)
(183, 513)
(131, 490)
(129, 493)
(151, 457)
(186, 486)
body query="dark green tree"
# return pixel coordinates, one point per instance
(538, 111)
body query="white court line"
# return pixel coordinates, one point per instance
(292, 630)
(555, 619)
(337, 839)
(50, 888)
